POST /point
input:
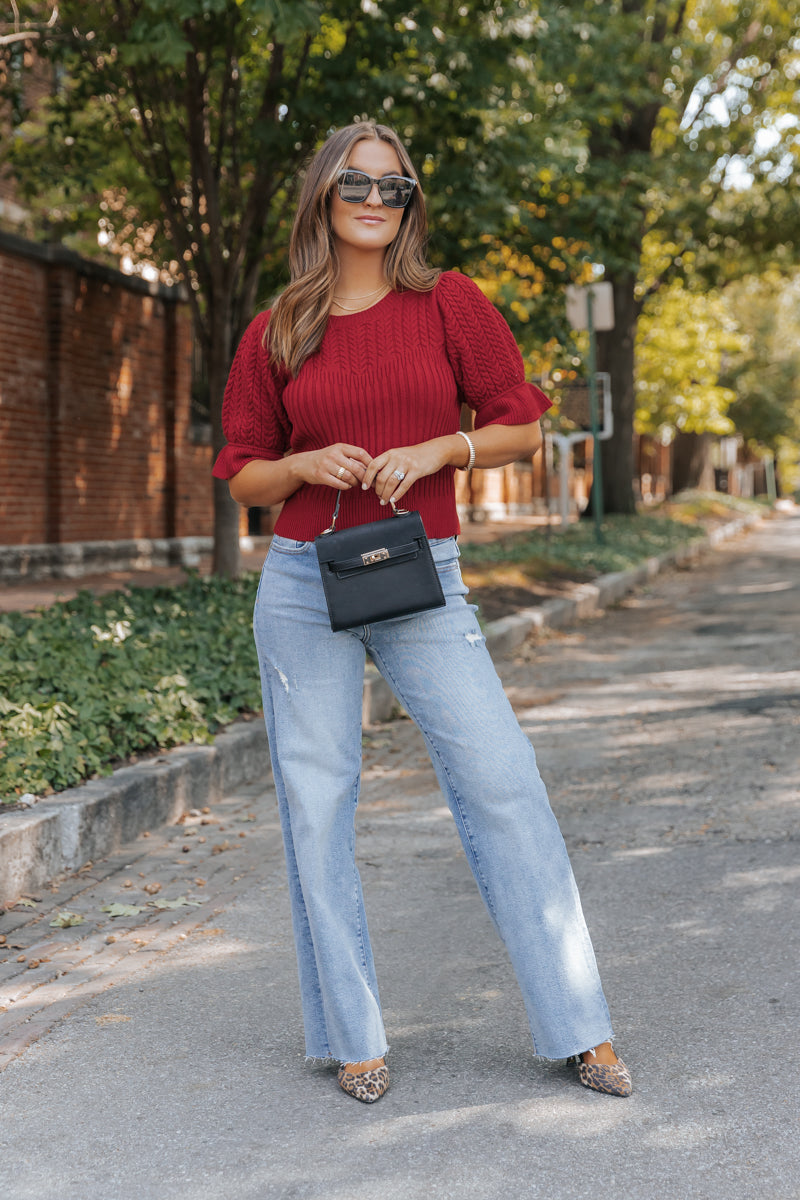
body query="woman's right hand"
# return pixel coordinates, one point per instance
(340, 466)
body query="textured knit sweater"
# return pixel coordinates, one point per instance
(390, 376)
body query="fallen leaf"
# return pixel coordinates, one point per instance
(181, 902)
(121, 910)
(197, 883)
(65, 919)
(111, 1019)
(25, 902)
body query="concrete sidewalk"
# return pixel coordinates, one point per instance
(62, 832)
(159, 1055)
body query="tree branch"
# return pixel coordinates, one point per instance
(204, 177)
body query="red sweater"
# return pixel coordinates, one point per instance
(392, 375)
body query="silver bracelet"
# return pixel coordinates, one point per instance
(471, 445)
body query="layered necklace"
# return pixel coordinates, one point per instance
(373, 298)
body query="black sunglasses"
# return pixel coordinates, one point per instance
(395, 190)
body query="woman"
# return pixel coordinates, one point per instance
(353, 384)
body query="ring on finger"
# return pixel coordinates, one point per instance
(399, 475)
(340, 472)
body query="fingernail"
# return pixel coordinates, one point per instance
(383, 502)
(364, 487)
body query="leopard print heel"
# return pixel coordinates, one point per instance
(612, 1080)
(367, 1087)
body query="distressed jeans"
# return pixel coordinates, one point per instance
(439, 668)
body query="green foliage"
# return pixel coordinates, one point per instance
(655, 109)
(182, 127)
(627, 541)
(765, 373)
(683, 340)
(87, 683)
(669, 121)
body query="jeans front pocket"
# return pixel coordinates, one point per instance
(284, 545)
(446, 554)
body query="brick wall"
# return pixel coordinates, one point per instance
(95, 376)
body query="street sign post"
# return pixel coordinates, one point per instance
(592, 308)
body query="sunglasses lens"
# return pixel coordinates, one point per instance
(395, 191)
(354, 186)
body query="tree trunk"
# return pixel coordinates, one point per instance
(226, 558)
(615, 354)
(691, 462)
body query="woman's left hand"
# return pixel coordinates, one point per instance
(393, 472)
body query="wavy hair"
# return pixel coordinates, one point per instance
(300, 314)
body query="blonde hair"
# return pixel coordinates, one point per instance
(300, 314)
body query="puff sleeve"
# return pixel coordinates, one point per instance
(484, 357)
(253, 417)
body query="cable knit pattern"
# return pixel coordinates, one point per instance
(393, 375)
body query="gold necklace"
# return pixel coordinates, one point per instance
(367, 295)
(384, 291)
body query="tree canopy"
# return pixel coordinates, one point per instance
(657, 113)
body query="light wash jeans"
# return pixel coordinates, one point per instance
(439, 668)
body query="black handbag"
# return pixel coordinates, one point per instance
(377, 571)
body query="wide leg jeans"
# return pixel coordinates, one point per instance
(440, 670)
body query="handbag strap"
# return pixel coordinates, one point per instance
(396, 512)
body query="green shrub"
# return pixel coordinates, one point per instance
(91, 681)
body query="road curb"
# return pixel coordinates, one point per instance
(64, 832)
(506, 634)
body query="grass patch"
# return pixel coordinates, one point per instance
(576, 553)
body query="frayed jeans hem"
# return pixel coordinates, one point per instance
(331, 1060)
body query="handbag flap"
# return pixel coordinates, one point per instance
(390, 538)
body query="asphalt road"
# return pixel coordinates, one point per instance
(159, 1056)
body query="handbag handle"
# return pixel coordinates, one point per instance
(396, 512)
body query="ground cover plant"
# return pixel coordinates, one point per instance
(91, 682)
(95, 681)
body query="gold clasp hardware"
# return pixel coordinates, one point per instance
(374, 556)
